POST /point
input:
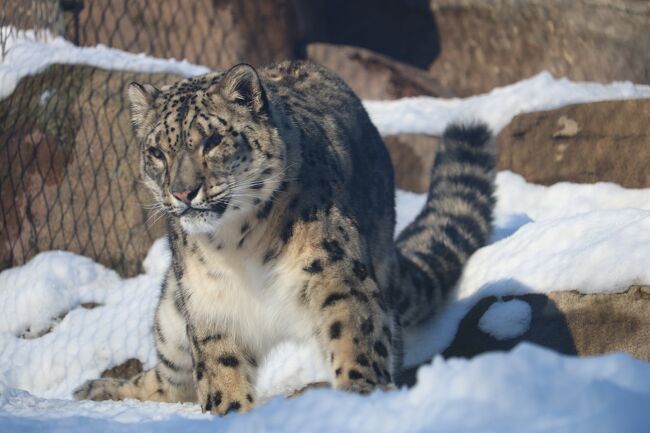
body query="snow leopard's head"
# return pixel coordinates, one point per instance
(209, 147)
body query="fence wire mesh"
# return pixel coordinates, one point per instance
(69, 176)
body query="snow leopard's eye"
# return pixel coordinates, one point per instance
(211, 142)
(156, 153)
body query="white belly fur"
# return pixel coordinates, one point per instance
(255, 304)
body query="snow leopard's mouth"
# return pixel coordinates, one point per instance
(201, 221)
(219, 208)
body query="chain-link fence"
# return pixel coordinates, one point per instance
(69, 174)
(68, 166)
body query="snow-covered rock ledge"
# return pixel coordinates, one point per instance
(58, 90)
(26, 56)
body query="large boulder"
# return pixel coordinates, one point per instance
(568, 322)
(412, 156)
(586, 143)
(40, 16)
(605, 141)
(70, 169)
(485, 44)
(374, 76)
(220, 34)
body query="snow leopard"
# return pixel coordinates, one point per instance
(279, 199)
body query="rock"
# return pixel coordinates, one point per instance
(374, 76)
(485, 44)
(596, 142)
(70, 169)
(310, 386)
(37, 15)
(125, 370)
(569, 322)
(217, 34)
(412, 156)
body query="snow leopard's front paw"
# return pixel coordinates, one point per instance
(221, 399)
(361, 381)
(362, 372)
(100, 389)
(223, 386)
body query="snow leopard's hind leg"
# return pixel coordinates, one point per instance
(171, 380)
(148, 385)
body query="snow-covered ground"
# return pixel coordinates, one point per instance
(540, 244)
(592, 238)
(526, 390)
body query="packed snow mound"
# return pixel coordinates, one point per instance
(56, 282)
(506, 319)
(529, 389)
(564, 199)
(82, 343)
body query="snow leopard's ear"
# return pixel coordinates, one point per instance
(241, 85)
(142, 108)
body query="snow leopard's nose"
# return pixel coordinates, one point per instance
(187, 194)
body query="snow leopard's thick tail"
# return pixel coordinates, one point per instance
(454, 223)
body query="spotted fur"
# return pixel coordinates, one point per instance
(279, 198)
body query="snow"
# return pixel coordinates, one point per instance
(497, 108)
(49, 293)
(505, 320)
(25, 55)
(592, 238)
(529, 389)
(564, 199)
(85, 341)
